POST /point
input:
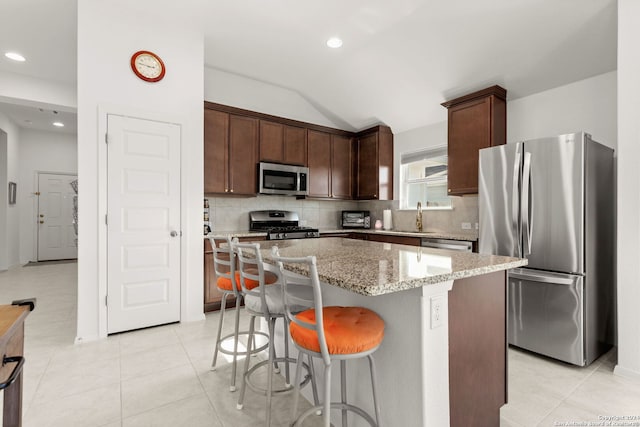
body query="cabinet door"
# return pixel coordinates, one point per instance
(295, 145)
(319, 162)
(469, 131)
(216, 135)
(243, 154)
(271, 142)
(341, 167)
(368, 167)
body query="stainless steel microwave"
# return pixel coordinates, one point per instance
(289, 180)
(356, 219)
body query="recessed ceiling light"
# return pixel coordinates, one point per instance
(334, 42)
(58, 124)
(15, 56)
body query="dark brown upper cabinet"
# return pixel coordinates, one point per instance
(282, 143)
(230, 153)
(342, 164)
(330, 159)
(341, 167)
(477, 120)
(374, 166)
(319, 162)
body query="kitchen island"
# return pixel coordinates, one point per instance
(443, 358)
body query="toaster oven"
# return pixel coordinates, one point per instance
(356, 219)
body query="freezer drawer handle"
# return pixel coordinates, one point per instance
(542, 279)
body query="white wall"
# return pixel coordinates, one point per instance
(242, 92)
(40, 151)
(628, 188)
(587, 105)
(26, 90)
(9, 217)
(108, 34)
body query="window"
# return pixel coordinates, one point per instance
(424, 179)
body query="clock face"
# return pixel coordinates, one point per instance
(147, 66)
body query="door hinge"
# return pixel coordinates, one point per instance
(106, 138)
(106, 220)
(106, 300)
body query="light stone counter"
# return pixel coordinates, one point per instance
(374, 268)
(470, 237)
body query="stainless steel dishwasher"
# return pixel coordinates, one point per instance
(452, 245)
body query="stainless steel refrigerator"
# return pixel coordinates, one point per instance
(552, 201)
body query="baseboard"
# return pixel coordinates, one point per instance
(625, 372)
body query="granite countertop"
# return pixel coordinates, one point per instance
(430, 234)
(375, 268)
(471, 237)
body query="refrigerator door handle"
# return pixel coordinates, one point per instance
(525, 205)
(514, 204)
(542, 279)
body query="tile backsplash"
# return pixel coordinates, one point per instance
(232, 214)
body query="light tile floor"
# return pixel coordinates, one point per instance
(161, 377)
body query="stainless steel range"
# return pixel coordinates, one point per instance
(280, 225)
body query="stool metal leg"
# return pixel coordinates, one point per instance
(250, 341)
(272, 354)
(296, 386)
(314, 386)
(215, 350)
(376, 408)
(326, 412)
(286, 352)
(343, 390)
(235, 346)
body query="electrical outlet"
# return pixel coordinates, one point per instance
(437, 311)
(466, 226)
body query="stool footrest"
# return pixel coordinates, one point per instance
(263, 391)
(335, 405)
(242, 353)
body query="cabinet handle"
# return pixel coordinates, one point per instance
(375, 195)
(226, 190)
(231, 190)
(449, 190)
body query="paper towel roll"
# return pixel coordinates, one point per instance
(386, 219)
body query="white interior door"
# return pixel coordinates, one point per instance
(143, 223)
(56, 235)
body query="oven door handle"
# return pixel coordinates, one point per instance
(17, 370)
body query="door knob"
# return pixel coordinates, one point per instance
(173, 233)
(41, 216)
(41, 222)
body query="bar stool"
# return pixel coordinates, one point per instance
(227, 282)
(267, 302)
(330, 333)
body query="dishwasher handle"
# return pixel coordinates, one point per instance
(454, 245)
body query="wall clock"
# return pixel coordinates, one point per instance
(148, 66)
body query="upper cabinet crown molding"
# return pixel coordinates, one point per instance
(475, 121)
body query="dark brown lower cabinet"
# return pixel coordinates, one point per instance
(212, 296)
(478, 350)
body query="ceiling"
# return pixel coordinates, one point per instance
(399, 61)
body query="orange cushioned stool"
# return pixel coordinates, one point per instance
(329, 333)
(224, 264)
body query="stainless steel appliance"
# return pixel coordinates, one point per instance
(274, 178)
(356, 219)
(452, 245)
(551, 201)
(280, 225)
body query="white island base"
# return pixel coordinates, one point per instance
(412, 363)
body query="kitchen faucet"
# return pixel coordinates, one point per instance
(419, 218)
